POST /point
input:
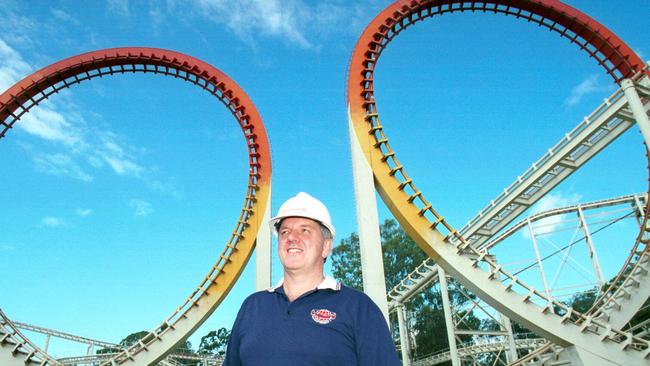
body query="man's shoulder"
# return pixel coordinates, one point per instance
(355, 295)
(262, 294)
(258, 297)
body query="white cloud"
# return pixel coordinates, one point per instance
(97, 147)
(141, 208)
(588, 86)
(79, 148)
(50, 125)
(549, 202)
(12, 66)
(83, 212)
(117, 157)
(51, 221)
(61, 165)
(248, 18)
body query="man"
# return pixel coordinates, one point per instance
(308, 318)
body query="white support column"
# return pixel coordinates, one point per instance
(449, 321)
(638, 111)
(592, 249)
(372, 261)
(511, 353)
(403, 335)
(263, 253)
(47, 343)
(90, 351)
(640, 207)
(539, 259)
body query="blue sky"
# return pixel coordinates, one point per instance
(119, 194)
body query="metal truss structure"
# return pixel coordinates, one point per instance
(586, 219)
(15, 349)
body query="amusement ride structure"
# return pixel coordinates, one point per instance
(600, 336)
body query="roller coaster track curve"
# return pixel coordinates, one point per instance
(30, 91)
(431, 232)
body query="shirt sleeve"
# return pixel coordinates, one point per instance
(374, 345)
(233, 357)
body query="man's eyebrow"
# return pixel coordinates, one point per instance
(308, 225)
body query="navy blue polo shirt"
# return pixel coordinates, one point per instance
(330, 325)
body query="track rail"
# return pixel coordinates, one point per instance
(64, 335)
(29, 92)
(16, 349)
(171, 359)
(428, 228)
(530, 343)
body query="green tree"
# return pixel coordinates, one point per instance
(215, 342)
(133, 338)
(401, 255)
(127, 341)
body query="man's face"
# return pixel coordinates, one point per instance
(301, 246)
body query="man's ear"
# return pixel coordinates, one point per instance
(327, 248)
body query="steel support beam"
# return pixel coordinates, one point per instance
(263, 251)
(449, 321)
(591, 248)
(47, 343)
(547, 291)
(372, 262)
(637, 108)
(511, 353)
(403, 335)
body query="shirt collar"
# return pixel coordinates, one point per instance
(329, 283)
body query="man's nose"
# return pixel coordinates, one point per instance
(292, 236)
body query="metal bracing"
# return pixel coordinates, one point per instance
(449, 322)
(538, 258)
(591, 248)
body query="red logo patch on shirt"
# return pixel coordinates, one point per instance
(323, 316)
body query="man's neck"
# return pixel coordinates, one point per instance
(295, 285)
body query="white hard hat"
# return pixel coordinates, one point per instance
(303, 205)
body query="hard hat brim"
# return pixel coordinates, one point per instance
(276, 220)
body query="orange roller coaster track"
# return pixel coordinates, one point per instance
(30, 91)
